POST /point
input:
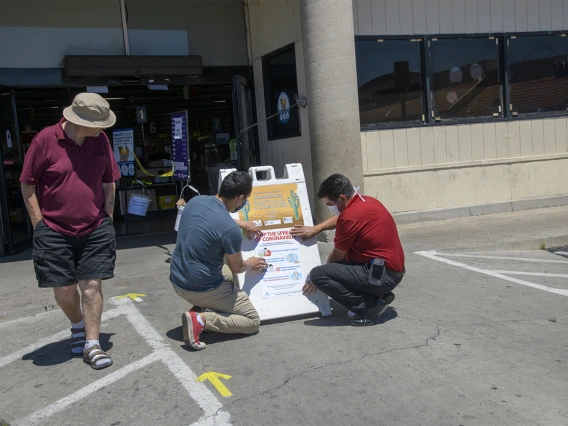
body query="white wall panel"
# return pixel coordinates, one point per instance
(533, 15)
(419, 16)
(405, 15)
(544, 14)
(446, 17)
(556, 8)
(458, 14)
(392, 17)
(379, 17)
(471, 18)
(521, 15)
(496, 15)
(484, 15)
(365, 17)
(433, 16)
(509, 15)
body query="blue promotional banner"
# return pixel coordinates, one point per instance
(180, 146)
(123, 143)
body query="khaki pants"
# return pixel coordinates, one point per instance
(232, 311)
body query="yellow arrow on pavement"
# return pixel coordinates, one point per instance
(134, 296)
(213, 377)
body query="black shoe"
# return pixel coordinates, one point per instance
(388, 298)
(372, 314)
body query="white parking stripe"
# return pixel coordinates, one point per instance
(435, 256)
(213, 415)
(532, 274)
(47, 340)
(565, 253)
(39, 416)
(197, 390)
(520, 259)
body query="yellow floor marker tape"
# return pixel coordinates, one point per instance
(213, 377)
(134, 296)
(169, 174)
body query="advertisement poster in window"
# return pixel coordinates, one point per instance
(123, 143)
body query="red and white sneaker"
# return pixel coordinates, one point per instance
(192, 330)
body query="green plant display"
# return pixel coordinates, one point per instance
(294, 202)
(246, 210)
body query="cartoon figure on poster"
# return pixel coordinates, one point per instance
(123, 142)
(273, 207)
(283, 107)
(296, 276)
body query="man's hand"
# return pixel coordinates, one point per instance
(250, 229)
(309, 287)
(303, 232)
(257, 263)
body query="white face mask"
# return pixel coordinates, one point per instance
(334, 210)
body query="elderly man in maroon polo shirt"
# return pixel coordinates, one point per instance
(68, 184)
(366, 240)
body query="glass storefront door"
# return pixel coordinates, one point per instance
(15, 226)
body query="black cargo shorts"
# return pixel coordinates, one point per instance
(62, 260)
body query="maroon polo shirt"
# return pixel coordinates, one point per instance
(366, 231)
(69, 179)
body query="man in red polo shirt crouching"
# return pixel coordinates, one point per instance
(68, 184)
(367, 262)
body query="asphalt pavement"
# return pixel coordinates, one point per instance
(477, 335)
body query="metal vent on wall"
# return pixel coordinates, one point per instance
(130, 66)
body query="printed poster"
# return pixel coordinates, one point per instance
(180, 145)
(123, 143)
(273, 207)
(284, 276)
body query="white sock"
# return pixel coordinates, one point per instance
(98, 362)
(91, 343)
(199, 320)
(80, 324)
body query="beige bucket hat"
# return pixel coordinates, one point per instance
(90, 110)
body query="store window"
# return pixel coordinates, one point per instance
(281, 89)
(465, 78)
(538, 74)
(389, 79)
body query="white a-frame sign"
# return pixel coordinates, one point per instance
(277, 205)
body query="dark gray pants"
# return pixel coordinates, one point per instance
(347, 284)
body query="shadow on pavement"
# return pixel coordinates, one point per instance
(210, 338)
(341, 320)
(58, 352)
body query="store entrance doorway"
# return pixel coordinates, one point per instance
(15, 227)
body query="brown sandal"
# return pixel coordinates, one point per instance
(94, 354)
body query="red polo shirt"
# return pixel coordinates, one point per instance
(69, 178)
(366, 230)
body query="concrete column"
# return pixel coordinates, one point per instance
(333, 106)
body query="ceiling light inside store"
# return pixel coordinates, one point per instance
(220, 102)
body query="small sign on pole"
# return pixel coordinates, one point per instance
(141, 116)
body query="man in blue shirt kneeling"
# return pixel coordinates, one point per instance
(207, 233)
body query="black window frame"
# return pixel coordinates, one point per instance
(424, 84)
(513, 113)
(506, 115)
(267, 98)
(501, 73)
